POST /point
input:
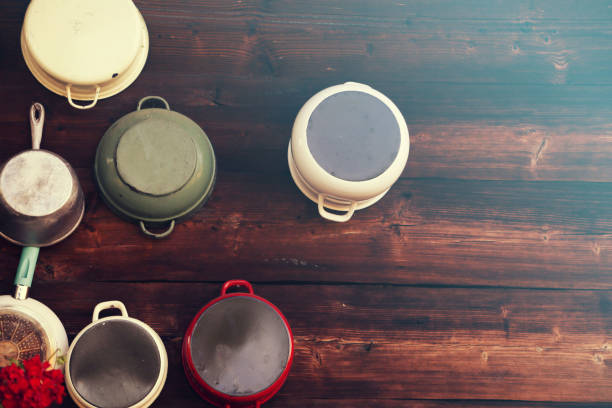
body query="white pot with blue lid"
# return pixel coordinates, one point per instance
(348, 146)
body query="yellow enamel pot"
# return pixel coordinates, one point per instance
(84, 49)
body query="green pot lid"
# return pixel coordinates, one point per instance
(155, 165)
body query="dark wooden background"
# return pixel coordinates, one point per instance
(484, 278)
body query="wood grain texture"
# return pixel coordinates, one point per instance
(482, 279)
(425, 232)
(392, 343)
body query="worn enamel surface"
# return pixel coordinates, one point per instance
(83, 41)
(36, 183)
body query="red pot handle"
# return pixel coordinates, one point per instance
(236, 282)
(257, 405)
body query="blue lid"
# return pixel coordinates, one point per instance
(353, 135)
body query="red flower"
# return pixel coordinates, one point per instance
(32, 385)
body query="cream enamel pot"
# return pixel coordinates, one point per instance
(349, 144)
(238, 350)
(41, 203)
(116, 362)
(84, 49)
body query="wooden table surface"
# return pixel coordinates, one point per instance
(483, 278)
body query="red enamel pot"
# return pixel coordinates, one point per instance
(238, 349)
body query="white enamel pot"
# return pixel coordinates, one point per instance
(116, 361)
(28, 327)
(84, 49)
(348, 146)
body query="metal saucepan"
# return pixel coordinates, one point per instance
(238, 349)
(116, 362)
(41, 203)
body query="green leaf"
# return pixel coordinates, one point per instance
(18, 363)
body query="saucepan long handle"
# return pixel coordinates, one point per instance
(25, 271)
(37, 120)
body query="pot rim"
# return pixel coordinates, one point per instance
(163, 359)
(331, 202)
(217, 397)
(47, 319)
(120, 211)
(325, 183)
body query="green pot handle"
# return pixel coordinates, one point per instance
(27, 264)
(148, 98)
(154, 235)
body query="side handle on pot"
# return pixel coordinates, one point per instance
(236, 282)
(160, 235)
(74, 105)
(335, 217)
(111, 304)
(152, 97)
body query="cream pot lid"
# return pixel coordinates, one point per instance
(83, 42)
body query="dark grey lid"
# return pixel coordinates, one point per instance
(240, 346)
(353, 135)
(115, 364)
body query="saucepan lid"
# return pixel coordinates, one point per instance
(155, 167)
(238, 350)
(116, 362)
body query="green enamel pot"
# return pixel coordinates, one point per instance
(155, 167)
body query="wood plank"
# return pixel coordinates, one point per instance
(243, 69)
(395, 342)
(252, 144)
(425, 232)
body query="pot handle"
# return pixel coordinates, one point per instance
(148, 98)
(111, 304)
(236, 282)
(335, 217)
(36, 123)
(25, 271)
(74, 105)
(161, 235)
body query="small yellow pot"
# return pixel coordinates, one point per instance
(84, 49)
